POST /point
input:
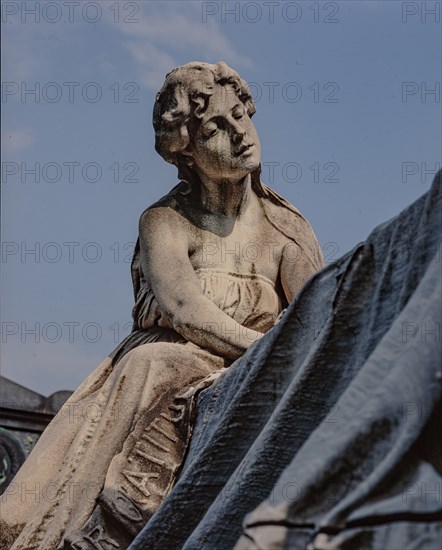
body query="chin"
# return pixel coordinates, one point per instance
(246, 166)
(252, 164)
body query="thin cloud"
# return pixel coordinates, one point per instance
(14, 140)
(19, 63)
(162, 36)
(21, 59)
(154, 63)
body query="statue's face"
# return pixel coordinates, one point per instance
(225, 144)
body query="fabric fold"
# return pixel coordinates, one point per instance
(326, 433)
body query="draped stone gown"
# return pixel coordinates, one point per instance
(126, 427)
(109, 457)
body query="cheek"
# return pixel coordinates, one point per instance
(214, 155)
(253, 133)
(219, 148)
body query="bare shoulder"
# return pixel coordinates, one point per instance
(165, 212)
(161, 216)
(167, 209)
(163, 230)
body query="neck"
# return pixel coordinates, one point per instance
(226, 198)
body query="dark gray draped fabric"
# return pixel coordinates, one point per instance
(327, 432)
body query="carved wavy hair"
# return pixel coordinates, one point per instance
(183, 100)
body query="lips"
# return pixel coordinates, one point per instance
(243, 149)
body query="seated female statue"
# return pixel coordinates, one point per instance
(217, 260)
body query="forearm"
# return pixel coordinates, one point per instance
(178, 290)
(204, 324)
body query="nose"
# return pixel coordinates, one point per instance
(238, 131)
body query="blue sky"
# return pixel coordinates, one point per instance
(348, 113)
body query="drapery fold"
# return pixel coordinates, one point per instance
(326, 433)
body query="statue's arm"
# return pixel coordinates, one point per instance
(164, 246)
(298, 265)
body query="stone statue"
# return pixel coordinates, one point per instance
(217, 260)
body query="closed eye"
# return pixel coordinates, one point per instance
(238, 112)
(210, 130)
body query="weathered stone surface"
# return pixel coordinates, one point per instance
(24, 414)
(326, 433)
(216, 261)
